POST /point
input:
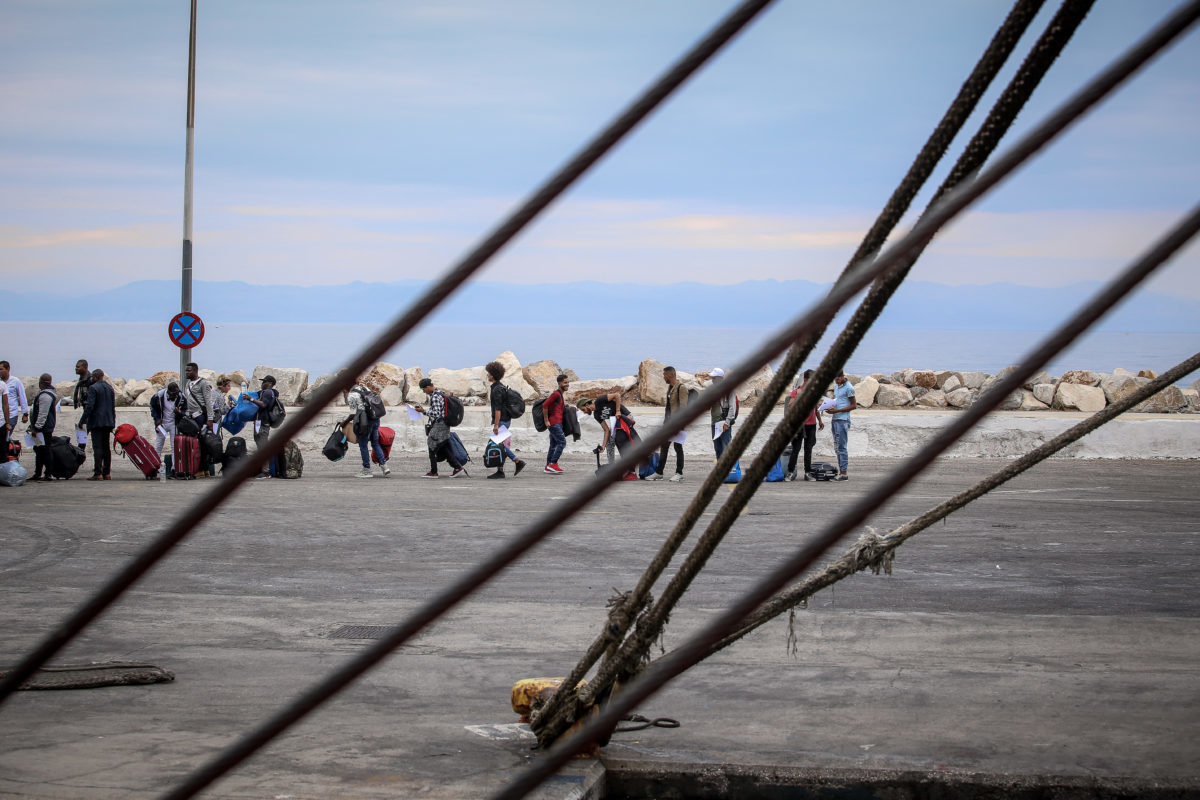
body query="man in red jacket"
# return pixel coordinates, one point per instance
(553, 409)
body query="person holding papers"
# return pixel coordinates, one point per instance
(501, 419)
(43, 416)
(677, 397)
(165, 406)
(724, 413)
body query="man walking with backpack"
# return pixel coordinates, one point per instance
(502, 414)
(367, 408)
(437, 431)
(554, 408)
(677, 398)
(723, 414)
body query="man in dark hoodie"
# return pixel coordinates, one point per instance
(100, 417)
(43, 415)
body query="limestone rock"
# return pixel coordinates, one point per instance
(854, 379)
(472, 401)
(542, 376)
(161, 379)
(960, 397)
(31, 389)
(902, 377)
(306, 395)
(651, 386)
(879, 376)
(1041, 377)
(924, 378)
(760, 380)
(383, 375)
(1195, 385)
(1013, 401)
(1080, 377)
(289, 381)
(865, 391)
(1029, 401)
(1118, 387)
(951, 383)
(1168, 400)
(1124, 373)
(514, 377)
(1044, 392)
(469, 382)
(892, 396)
(412, 385)
(932, 398)
(1193, 399)
(66, 390)
(1071, 396)
(1147, 373)
(973, 380)
(237, 378)
(943, 375)
(593, 389)
(570, 373)
(136, 388)
(392, 395)
(143, 399)
(209, 375)
(919, 391)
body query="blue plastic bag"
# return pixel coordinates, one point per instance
(735, 474)
(777, 472)
(649, 468)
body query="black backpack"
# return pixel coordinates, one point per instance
(493, 455)
(454, 411)
(514, 404)
(374, 404)
(276, 413)
(539, 416)
(822, 471)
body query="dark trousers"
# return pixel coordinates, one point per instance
(662, 457)
(444, 451)
(101, 441)
(806, 437)
(41, 460)
(260, 440)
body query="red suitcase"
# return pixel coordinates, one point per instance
(386, 437)
(187, 456)
(143, 456)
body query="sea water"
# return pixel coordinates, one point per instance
(139, 349)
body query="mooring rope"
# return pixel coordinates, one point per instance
(650, 680)
(623, 615)
(874, 552)
(648, 627)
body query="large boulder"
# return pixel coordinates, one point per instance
(514, 378)
(66, 391)
(760, 380)
(960, 397)
(237, 378)
(383, 375)
(412, 385)
(932, 398)
(289, 382)
(651, 386)
(1071, 396)
(926, 379)
(1029, 401)
(468, 382)
(392, 395)
(865, 391)
(1013, 401)
(893, 396)
(1147, 373)
(1167, 401)
(951, 383)
(973, 380)
(901, 377)
(161, 379)
(542, 375)
(31, 388)
(1193, 399)
(943, 375)
(136, 388)
(1041, 377)
(593, 389)
(1195, 385)
(1080, 377)
(1118, 387)
(306, 396)
(1124, 373)
(1044, 392)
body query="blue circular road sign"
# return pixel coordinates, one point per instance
(186, 330)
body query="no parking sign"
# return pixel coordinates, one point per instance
(186, 330)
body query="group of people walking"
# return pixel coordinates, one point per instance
(196, 408)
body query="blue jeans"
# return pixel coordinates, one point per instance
(371, 440)
(841, 434)
(558, 441)
(722, 441)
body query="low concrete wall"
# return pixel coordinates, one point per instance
(873, 433)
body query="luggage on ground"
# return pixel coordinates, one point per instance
(213, 448)
(649, 468)
(493, 455)
(235, 451)
(539, 416)
(14, 450)
(457, 449)
(735, 474)
(289, 463)
(12, 474)
(386, 437)
(777, 472)
(125, 433)
(65, 457)
(823, 472)
(232, 423)
(187, 426)
(454, 411)
(139, 451)
(186, 460)
(335, 446)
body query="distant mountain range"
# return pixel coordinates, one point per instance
(917, 306)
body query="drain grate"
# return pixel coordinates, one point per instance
(360, 632)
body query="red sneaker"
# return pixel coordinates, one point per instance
(630, 476)
(430, 475)
(559, 470)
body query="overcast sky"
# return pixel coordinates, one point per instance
(378, 140)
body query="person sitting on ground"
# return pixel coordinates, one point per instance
(500, 417)
(437, 431)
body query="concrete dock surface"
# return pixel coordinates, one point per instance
(1050, 631)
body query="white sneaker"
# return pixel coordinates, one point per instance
(656, 477)
(365, 473)
(676, 478)
(386, 469)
